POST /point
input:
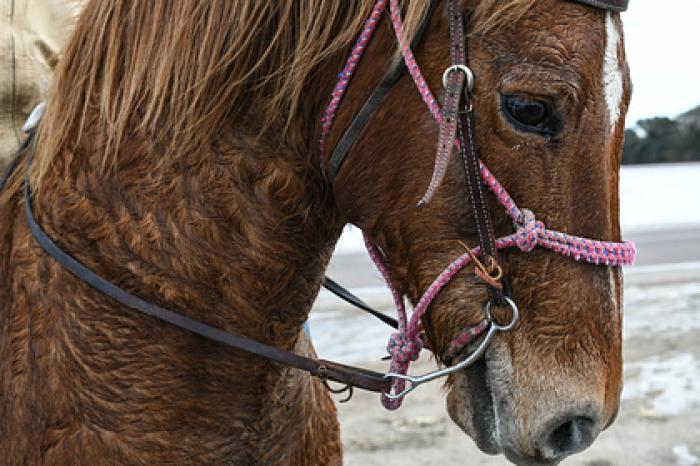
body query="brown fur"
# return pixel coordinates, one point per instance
(214, 205)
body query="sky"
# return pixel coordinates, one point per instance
(662, 41)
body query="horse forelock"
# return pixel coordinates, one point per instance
(492, 15)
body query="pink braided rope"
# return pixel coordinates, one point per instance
(348, 70)
(405, 345)
(411, 63)
(402, 347)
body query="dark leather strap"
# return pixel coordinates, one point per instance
(467, 143)
(446, 133)
(357, 377)
(359, 122)
(345, 294)
(611, 5)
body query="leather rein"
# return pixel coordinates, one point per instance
(457, 125)
(325, 370)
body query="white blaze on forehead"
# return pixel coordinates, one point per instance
(612, 74)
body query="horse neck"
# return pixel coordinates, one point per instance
(237, 234)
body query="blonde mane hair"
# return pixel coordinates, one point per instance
(175, 71)
(492, 15)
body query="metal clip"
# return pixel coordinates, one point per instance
(515, 315)
(337, 391)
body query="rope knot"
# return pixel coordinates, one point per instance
(529, 230)
(403, 349)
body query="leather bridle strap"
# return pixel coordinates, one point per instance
(357, 377)
(359, 122)
(456, 118)
(347, 296)
(611, 5)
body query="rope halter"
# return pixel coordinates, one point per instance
(529, 231)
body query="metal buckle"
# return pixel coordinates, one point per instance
(467, 74)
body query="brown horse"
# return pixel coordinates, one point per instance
(178, 158)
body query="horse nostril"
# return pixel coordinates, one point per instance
(570, 436)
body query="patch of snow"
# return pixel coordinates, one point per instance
(684, 457)
(661, 309)
(659, 196)
(672, 384)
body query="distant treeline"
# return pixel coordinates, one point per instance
(664, 140)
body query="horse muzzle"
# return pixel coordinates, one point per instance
(540, 428)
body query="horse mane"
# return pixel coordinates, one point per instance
(175, 72)
(492, 15)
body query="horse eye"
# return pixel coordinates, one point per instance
(530, 114)
(527, 112)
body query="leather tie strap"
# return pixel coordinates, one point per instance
(326, 370)
(447, 133)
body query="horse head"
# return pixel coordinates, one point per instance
(551, 90)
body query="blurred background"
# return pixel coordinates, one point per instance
(659, 420)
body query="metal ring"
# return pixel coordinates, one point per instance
(464, 69)
(514, 311)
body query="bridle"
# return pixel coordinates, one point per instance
(456, 131)
(456, 128)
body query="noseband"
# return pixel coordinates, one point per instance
(456, 130)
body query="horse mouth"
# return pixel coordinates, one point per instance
(482, 416)
(471, 403)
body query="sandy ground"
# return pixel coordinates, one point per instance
(658, 424)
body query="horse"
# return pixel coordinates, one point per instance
(178, 157)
